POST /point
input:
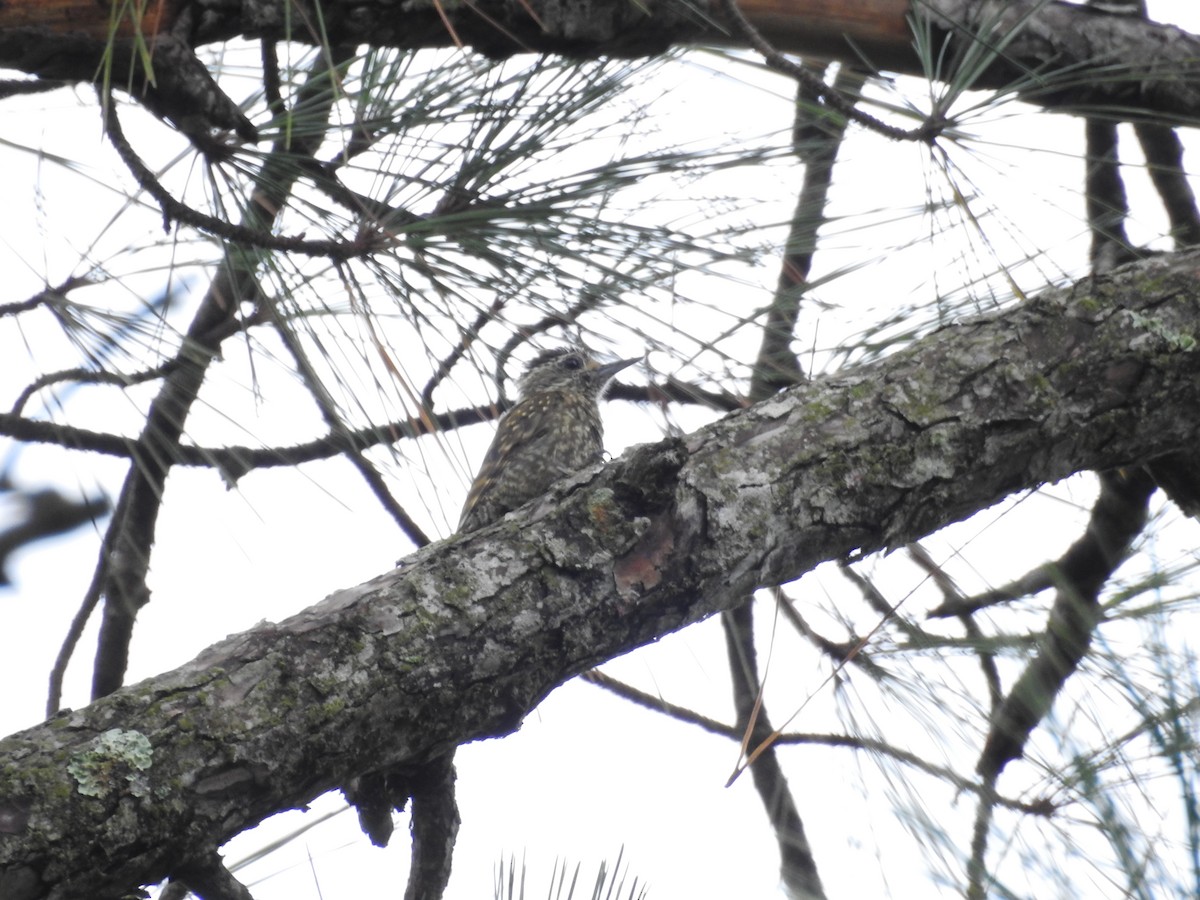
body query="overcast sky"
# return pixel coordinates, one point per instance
(587, 774)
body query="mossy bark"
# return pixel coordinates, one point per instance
(468, 635)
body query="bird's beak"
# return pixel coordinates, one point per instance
(608, 370)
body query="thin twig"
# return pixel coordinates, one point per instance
(329, 413)
(48, 297)
(92, 376)
(239, 460)
(66, 649)
(853, 742)
(841, 652)
(176, 211)
(797, 865)
(953, 593)
(926, 132)
(120, 576)
(467, 337)
(1118, 517)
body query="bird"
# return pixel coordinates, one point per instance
(553, 431)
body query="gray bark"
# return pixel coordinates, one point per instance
(468, 635)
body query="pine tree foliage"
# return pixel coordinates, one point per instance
(328, 316)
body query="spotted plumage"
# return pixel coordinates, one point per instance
(553, 431)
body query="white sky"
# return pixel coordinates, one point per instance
(587, 774)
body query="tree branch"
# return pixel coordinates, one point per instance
(470, 634)
(1118, 517)
(1043, 46)
(175, 211)
(797, 866)
(1039, 807)
(234, 462)
(124, 555)
(775, 369)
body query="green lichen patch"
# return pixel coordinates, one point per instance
(1177, 341)
(113, 763)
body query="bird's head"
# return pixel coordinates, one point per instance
(569, 369)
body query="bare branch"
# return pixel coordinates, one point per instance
(47, 513)
(1045, 47)
(1164, 159)
(1118, 517)
(208, 879)
(120, 576)
(176, 211)
(816, 86)
(619, 688)
(48, 297)
(841, 652)
(1107, 205)
(355, 456)
(1113, 525)
(797, 866)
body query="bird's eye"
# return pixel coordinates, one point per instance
(572, 362)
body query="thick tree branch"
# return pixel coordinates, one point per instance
(1047, 46)
(470, 634)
